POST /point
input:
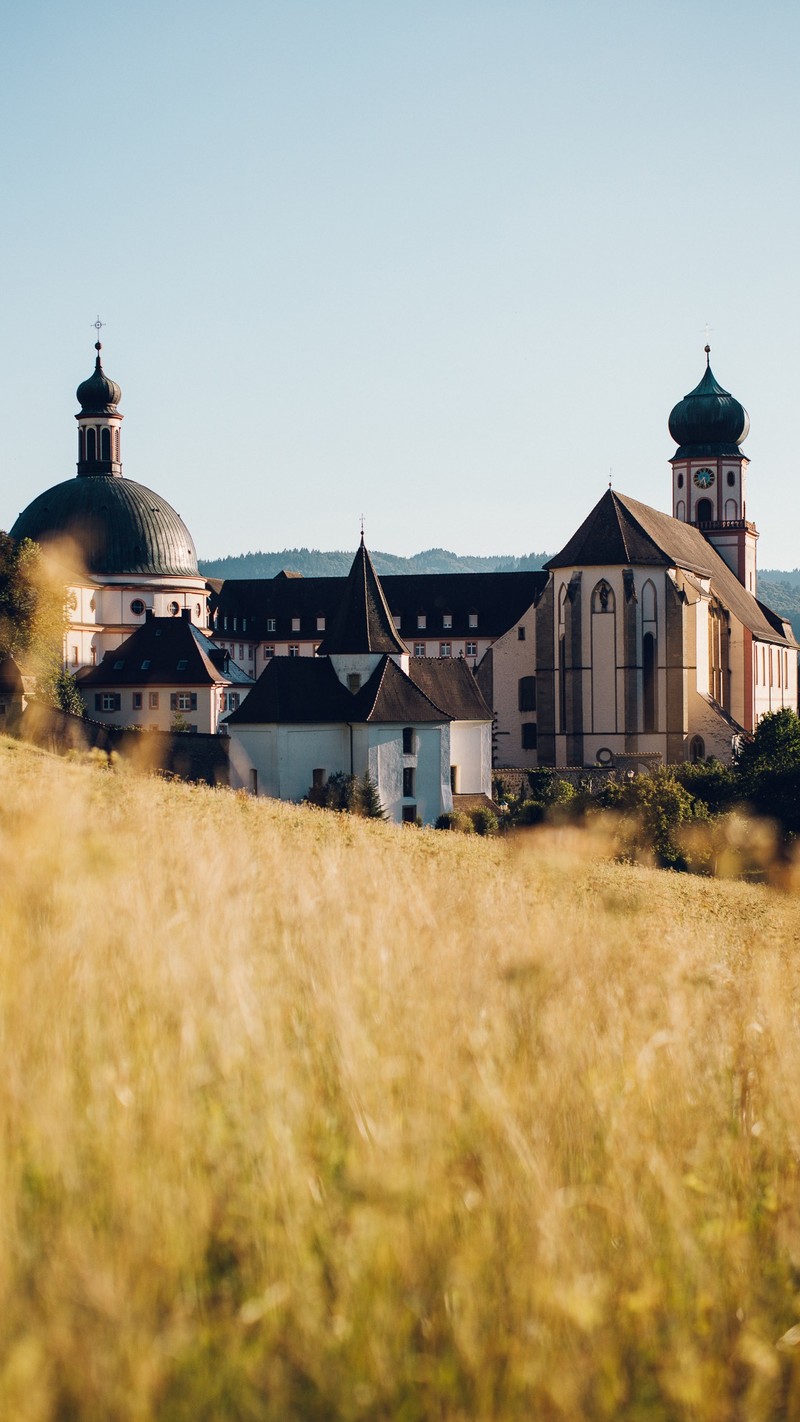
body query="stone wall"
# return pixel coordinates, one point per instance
(190, 757)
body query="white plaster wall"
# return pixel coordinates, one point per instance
(471, 751)
(205, 718)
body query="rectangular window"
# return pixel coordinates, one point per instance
(472, 649)
(137, 700)
(106, 701)
(447, 620)
(422, 621)
(320, 624)
(294, 650)
(249, 654)
(74, 656)
(235, 621)
(244, 624)
(224, 624)
(527, 693)
(233, 700)
(408, 740)
(454, 779)
(473, 619)
(529, 735)
(444, 649)
(397, 619)
(318, 777)
(146, 664)
(270, 624)
(183, 701)
(153, 700)
(241, 651)
(295, 624)
(353, 682)
(409, 814)
(269, 651)
(408, 782)
(253, 782)
(520, 634)
(419, 649)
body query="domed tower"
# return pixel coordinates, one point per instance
(709, 472)
(123, 549)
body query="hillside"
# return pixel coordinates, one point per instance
(303, 1118)
(313, 564)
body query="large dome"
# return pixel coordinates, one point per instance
(118, 526)
(708, 421)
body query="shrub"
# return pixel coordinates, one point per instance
(484, 821)
(455, 820)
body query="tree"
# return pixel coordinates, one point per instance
(768, 768)
(33, 617)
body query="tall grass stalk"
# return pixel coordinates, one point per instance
(305, 1117)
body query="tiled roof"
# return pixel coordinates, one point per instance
(307, 691)
(165, 651)
(10, 676)
(620, 530)
(450, 684)
(362, 622)
(496, 601)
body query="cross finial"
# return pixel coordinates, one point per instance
(707, 333)
(610, 472)
(362, 528)
(98, 326)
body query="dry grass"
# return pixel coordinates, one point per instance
(307, 1118)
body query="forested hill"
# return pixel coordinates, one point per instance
(777, 587)
(312, 563)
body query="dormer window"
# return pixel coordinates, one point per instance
(295, 624)
(473, 619)
(118, 665)
(353, 682)
(320, 624)
(447, 620)
(182, 664)
(422, 621)
(146, 664)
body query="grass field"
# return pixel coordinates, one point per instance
(309, 1118)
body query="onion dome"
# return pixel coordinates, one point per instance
(708, 421)
(98, 395)
(111, 526)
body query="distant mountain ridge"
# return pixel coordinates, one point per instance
(777, 587)
(313, 563)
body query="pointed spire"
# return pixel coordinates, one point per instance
(362, 622)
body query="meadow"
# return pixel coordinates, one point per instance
(306, 1117)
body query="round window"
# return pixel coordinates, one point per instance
(173, 609)
(137, 607)
(605, 756)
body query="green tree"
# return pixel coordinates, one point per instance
(33, 618)
(767, 769)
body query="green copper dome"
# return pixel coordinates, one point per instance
(98, 395)
(708, 421)
(118, 527)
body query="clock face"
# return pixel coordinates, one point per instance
(704, 478)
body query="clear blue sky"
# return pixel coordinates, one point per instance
(441, 262)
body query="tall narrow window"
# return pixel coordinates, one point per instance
(105, 443)
(527, 693)
(649, 681)
(91, 446)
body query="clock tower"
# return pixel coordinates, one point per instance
(709, 472)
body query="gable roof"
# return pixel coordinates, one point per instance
(307, 691)
(10, 676)
(620, 530)
(498, 601)
(362, 622)
(166, 651)
(451, 685)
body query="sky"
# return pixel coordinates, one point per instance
(446, 264)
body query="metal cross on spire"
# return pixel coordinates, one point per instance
(362, 528)
(707, 332)
(98, 326)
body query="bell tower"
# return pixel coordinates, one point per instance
(709, 472)
(99, 423)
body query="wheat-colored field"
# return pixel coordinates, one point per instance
(309, 1118)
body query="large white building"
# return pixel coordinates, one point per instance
(642, 641)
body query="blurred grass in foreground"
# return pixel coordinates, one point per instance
(309, 1118)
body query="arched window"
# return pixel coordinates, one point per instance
(704, 512)
(603, 597)
(680, 510)
(105, 443)
(81, 445)
(91, 446)
(697, 749)
(562, 683)
(648, 602)
(730, 508)
(649, 705)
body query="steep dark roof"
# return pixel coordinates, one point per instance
(362, 622)
(451, 685)
(164, 643)
(497, 599)
(116, 525)
(307, 691)
(10, 676)
(620, 530)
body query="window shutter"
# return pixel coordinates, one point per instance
(194, 700)
(173, 701)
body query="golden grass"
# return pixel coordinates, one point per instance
(309, 1118)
